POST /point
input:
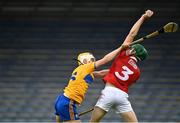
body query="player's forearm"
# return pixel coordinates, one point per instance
(100, 74)
(107, 58)
(134, 30)
(110, 56)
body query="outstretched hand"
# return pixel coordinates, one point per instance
(147, 14)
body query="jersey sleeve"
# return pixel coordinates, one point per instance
(90, 67)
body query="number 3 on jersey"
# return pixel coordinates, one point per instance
(126, 72)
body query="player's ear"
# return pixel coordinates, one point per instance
(93, 59)
(85, 61)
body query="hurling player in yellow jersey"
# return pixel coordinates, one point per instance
(82, 76)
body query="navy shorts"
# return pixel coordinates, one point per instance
(65, 108)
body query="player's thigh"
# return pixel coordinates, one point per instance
(66, 109)
(129, 116)
(122, 104)
(106, 99)
(97, 114)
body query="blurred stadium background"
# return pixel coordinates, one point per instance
(39, 39)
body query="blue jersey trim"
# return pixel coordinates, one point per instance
(88, 78)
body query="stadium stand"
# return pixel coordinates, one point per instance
(39, 39)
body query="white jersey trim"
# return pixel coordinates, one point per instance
(132, 57)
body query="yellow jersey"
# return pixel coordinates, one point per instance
(78, 84)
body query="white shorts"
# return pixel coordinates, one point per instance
(112, 97)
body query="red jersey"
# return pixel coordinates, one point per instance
(123, 71)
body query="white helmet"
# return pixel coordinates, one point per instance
(86, 57)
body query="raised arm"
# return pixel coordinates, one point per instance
(130, 37)
(134, 30)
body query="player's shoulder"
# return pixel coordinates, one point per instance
(81, 70)
(122, 54)
(85, 67)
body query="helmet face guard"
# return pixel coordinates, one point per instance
(84, 58)
(140, 52)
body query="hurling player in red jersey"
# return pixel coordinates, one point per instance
(121, 75)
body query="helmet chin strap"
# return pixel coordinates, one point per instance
(78, 61)
(138, 58)
(132, 51)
